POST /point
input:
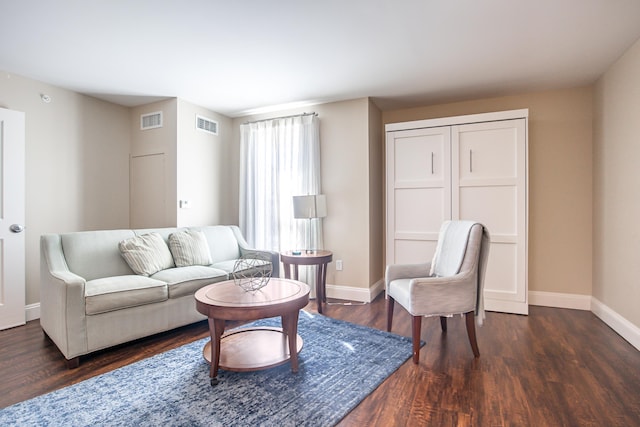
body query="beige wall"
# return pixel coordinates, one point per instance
(202, 168)
(77, 164)
(196, 162)
(560, 180)
(376, 194)
(156, 141)
(616, 270)
(345, 181)
(345, 147)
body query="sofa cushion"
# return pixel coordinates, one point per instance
(222, 242)
(146, 254)
(94, 254)
(187, 280)
(189, 247)
(114, 293)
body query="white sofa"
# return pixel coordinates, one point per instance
(91, 299)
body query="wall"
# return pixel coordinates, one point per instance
(196, 165)
(347, 153)
(616, 269)
(202, 168)
(376, 195)
(149, 198)
(77, 164)
(560, 180)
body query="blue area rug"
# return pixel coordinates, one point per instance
(340, 364)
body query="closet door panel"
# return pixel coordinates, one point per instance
(494, 206)
(418, 192)
(419, 157)
(419, 210)
(488, 151)
(502, 271)
(414, 251)
(489, 186)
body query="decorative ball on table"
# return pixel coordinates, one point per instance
(252, 271)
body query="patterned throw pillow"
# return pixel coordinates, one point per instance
(189, 247)
(146, 254)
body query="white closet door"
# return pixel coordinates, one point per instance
(418, 192)
(489, 185)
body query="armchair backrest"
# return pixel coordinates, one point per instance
(474, 246)
(458, 248)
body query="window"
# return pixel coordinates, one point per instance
(279, 159)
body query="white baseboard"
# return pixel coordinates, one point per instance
(559, 300)
(622, 326)
(32, 311)
(351, 293)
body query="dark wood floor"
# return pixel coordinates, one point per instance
(554, 367)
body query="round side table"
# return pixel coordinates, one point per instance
(317, 257)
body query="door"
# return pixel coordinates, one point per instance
(12, 215)
(147, 202)
(489, 186)
(418, 192)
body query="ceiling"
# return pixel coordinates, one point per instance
(242, 57)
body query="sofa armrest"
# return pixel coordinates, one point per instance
(62, 303)
(244, 248)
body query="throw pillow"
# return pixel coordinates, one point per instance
(146, 254)
(189, 247)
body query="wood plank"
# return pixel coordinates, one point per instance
(555, 367)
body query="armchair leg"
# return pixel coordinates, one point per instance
(471, 331)
(390, 302)
(415, 334)
(443, 323)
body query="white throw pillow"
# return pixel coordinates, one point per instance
(146, 254)
(189, 247)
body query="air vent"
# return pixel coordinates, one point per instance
(151, 120)
(207, 125)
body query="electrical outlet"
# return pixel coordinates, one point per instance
(339, 265)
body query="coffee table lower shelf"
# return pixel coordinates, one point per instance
(253, 349)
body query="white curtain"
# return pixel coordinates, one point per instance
(279, 159)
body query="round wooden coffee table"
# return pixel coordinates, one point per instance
(251, 349)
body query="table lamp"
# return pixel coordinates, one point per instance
(309, 207)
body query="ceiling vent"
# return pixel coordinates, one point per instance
(151, 120)
(207, 125)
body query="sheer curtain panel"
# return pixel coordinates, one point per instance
(279, 159)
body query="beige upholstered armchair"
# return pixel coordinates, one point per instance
(450, 284)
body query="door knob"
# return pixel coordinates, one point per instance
(16, 228)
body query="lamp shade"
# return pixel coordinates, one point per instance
(314, 206)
